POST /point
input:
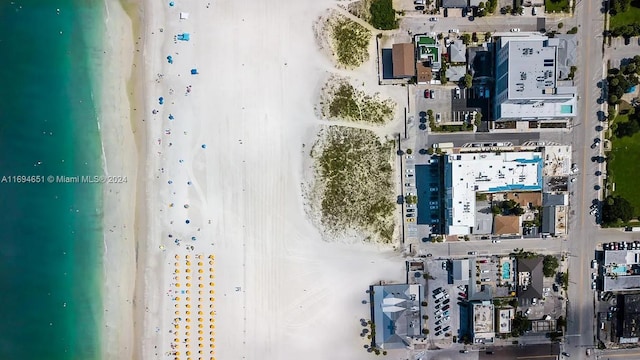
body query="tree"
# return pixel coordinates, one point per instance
(468, 80)
(613, 99)
(549, 265)
(466, 39)
(620, 211)
(573, 30)
(627, 128)
(487, 36)
(560, 25)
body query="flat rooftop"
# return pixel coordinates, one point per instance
(396, 314)
(466, 174)
(483, 318)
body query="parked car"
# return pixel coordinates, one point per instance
(411, 210)
(433, 94)
(472, 253)
(455, 31)
(515, 30)
(495, 241)
(427, 94)
(433, 19)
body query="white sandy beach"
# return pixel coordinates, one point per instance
(280, 292)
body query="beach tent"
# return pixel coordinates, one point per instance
(183, 36)
(184, 15)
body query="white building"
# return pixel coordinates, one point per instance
(468, 173)
(532, 73)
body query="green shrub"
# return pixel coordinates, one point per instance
(383, 16)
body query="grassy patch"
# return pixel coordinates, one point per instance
(556, 5)
(340, 100)
(349, 40)
(383, 17)
(353, 185)
(629, 17)
(622, 169)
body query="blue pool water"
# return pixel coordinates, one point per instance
(566, 109)
(620, 269)
(506, 271)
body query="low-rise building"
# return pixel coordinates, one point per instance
(529, 278)
(404, 60)
(482, 322)
(628, 329)
(491, 172)
(503, 320)
(396, 315)
(621, 270)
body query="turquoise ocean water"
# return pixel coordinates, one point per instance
(50, 233)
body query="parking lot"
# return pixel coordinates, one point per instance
(443, 309)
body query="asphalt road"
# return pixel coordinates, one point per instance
(421, 24)
(584, 233)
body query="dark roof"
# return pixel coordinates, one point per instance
(549, 219)
(404, 60)
(631, 321)
(534, 267)
(425, 73)
(455, 3)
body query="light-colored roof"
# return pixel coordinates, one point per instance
(403, 56)
(457, 51)
(460, 269)
(505, 225)
(466, 174)
(396, 314)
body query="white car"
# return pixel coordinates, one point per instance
(515, 30)
(433, 19)
(495, 241)
(409, 171)
(593, 211)
(456, 31)
(594, 264)
(409, 156)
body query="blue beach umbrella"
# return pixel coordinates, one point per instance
(170, 59)
(204, 146)
(170, 117)
(161, 100)
(171, 3)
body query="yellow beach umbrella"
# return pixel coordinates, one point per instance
(177, 298)
(200, 285)
(210, 269)
(199, 263)
(176, 271)
(199, 277)
(200, 326)
(188, 353)
(199, 345)
(211, 339)
(211, 284)
(188, 270)
(211, 291)
(176, 340)
(188, 257)
(199, 292)
(200, 271)
(199, 306)
(210, 276)
(187, 327)
(177, 312)
(210, 256)
(176, 326)
(211, 313)
(188, 307)
(177, 284)
(177, 257)
(199, 332)
(188, 320)
(200, 319)
(199, 312)
(188, 277)
(210, 299)
(177, 264)
(188, 263)
(188, 284)
(188, 298)
(175, 305)
(211, 319)
(211, 262)
(188, 291)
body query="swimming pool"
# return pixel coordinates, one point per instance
(506, 271)
(620, 269)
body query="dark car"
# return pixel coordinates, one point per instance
(627, 40)
(446, 307)
(427, 94)
(445, 302)
(420, 8)
(423, 114)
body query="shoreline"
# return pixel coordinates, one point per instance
(120, 159)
